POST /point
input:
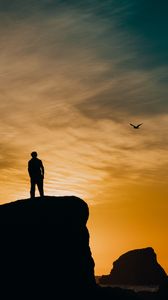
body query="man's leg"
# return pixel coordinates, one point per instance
(40, 187)
(32, 189)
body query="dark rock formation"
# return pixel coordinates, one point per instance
(44, 248)
(136, 267)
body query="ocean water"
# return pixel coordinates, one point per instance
(136, 288)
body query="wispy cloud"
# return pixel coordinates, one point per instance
(69, 89)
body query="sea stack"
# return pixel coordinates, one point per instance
(136, 267)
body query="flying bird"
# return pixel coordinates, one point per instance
(136, 126)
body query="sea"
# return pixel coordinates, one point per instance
(135, 288)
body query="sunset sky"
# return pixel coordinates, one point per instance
(73, 75)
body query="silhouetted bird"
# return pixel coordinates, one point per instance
(36, 173)
(136, 126)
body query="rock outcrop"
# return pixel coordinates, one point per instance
(136, 267)
(44, 248)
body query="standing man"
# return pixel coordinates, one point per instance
(36, 173)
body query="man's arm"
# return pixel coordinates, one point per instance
(42, 169)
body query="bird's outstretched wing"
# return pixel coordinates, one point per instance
(139, 124)
(132, 124)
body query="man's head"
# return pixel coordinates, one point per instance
(34, 154)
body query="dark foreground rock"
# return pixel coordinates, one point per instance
(163, 290)
(136, 267)
(44, 248)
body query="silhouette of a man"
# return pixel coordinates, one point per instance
(36, 173)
